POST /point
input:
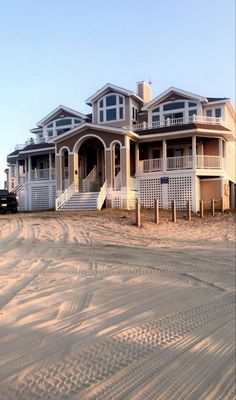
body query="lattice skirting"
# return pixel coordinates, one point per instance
(179, 189)
(150, 189)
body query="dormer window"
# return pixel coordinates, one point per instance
(111, 108)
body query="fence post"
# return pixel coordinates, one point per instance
(173, 210)
(137, 213)
(156, 209)
(222, 204)
(213, 207)
(189, 214)
(201, 209)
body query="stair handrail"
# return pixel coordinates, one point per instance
(102, 195)
(65, 196)
(91, 177)
(117, 181)
(17, 188)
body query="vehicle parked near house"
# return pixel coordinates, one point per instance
(8, 202)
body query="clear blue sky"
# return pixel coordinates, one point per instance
(61, 51)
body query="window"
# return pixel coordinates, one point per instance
(50, 133)
(111, 114)
(134, 114)
(190, 104)
(209, 113)
(111, 101)
(50, 125)
(62, 122)
(173, 106)
(111, 108)
(77, 121)
(61, 131)
(192, 112)
(155, 118)
(218, 112)
(156, 110)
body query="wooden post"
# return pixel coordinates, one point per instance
(173, 210)
(201, 209)
(222, 204)
(189, 214)
(156, 208)
(213, 207)
(137, 213)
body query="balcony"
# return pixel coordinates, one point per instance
(168, 122)
(181, 163)
(42, 174)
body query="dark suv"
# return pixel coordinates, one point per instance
(8, 202)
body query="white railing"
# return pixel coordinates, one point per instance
(117, 181)
(209, 162)
(102, 196)
(42, 174)
(202, 119)
(90, 183)
(150, 165)
(39, 174)
(65, 196)
(183, 162)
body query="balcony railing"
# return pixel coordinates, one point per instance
(151, 165)
(200, 119)
(184, 162)
(209, 162)
(181, 163)
(42, 174)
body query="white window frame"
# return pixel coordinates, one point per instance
(104, 108)
(184, 110)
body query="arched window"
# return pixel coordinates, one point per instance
(111, 108)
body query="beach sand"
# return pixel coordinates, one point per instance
(92, 307)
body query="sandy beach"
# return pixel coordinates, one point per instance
(92, 307)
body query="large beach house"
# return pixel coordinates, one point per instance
(178, 145)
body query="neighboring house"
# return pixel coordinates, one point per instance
(178, 145)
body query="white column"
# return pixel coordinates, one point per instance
(17, 172)
(136, 158)
(164, 155)
(29, 168)
(194, 151)
(50, 166)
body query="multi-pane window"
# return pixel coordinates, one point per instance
(134, 114)
(63, 122)
(191, 113)
(218, 112)
(111, 108)
(209, 113)
(174, 106)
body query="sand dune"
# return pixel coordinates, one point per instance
(92, 307)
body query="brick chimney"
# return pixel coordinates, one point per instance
(144, 90)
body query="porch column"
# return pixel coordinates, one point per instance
(108, 167)
(136, 158)
(50, 166)
(164, 155)
(125, 163)
(17, 172)
(76, 171)
(58, 172)
(194, 151)
(71, 168)
(29, 169)
(220, 144)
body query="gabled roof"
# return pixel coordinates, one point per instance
(84, 126)
(180, 92)
(118, 89)
(48, 117)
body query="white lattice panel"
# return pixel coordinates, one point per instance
(180, 190)
(150, 189)
(40, 198)
(54, 196)
(117, 202)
